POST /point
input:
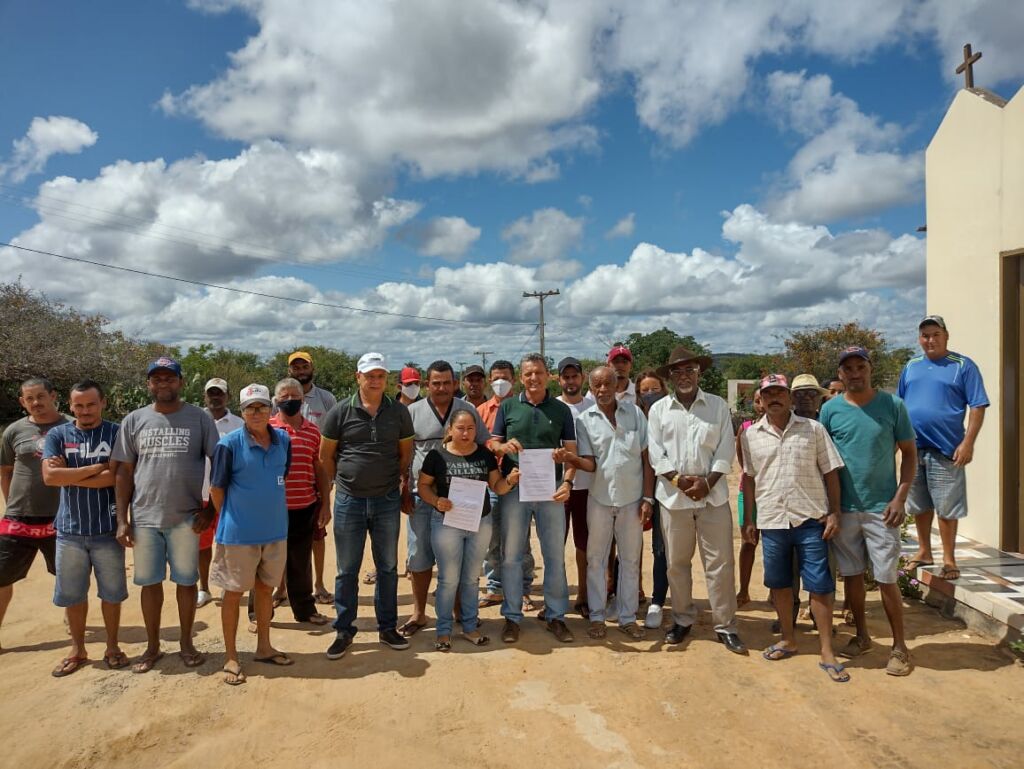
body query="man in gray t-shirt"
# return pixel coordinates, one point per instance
(161, 454)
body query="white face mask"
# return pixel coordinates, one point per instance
(411, 391)
(501, 387)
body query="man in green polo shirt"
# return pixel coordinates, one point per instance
(534, 420)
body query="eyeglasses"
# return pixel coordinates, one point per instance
(684, 370)
(258, 408)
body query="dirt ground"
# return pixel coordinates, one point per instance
(614, 703)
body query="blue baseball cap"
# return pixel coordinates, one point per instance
(854, 352)
(164, 364)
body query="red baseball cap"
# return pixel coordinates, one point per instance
(409, 374)
(615, 352)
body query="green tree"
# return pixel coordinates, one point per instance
(816, 351)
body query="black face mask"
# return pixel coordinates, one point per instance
(649, 399)
(290, 408)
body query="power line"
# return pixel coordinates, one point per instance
(262, 294)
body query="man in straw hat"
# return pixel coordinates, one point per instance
(691, 447)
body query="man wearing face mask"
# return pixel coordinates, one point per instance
(215, 394)
(307, 493)
(621, 360)
(502, 376)
(316, 402)
(409, 386)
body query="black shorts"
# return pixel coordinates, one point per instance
(18, 553)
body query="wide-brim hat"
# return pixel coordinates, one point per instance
(684, 355)
(807, 382)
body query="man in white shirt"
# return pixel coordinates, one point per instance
(570, 379)
(691, 447)
(215, 396)
(621, 360)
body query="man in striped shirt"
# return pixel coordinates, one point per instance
(307, 493)
(76, 457)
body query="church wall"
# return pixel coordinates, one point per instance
(964, 200)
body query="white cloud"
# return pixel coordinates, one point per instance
(850, 164)
(446, 85)
(446, 236)
(991, 26)
(623, 228)
(546, 235)
(45, 138)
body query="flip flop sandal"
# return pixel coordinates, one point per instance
(233, 677)
(836, 672)
(115, 661)
(480, 640)
(370, 578)
(280, 659)
(443, 646)
(530, 605)
(634, 631)
(279, 601)
(597, 630)
(774, 653)
(68, 665)
(949, 574)
(488, 600)
(317, 619)
(192, 659)
(916, 564)
(323, 598)
(409, 629)
(146, 664)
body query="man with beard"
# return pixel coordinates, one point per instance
(316, 402)
(161, 454)
(570, 379)
(27, 525)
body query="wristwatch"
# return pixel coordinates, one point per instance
(675, 480)
(566, 480)
(649, 500)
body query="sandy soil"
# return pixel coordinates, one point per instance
(613, 703)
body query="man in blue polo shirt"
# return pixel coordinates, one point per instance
(247, 489)
(76, 457)
(939, 388)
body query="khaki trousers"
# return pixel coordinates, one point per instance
(711, 528)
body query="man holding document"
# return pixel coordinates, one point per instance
(454, 480)
(534, 431)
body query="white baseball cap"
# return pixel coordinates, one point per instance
(372, 361)
(254, 393)
(216, 384)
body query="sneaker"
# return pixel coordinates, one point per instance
(654, 616)
(337, 649)
(561, 631)
(203, 598)
(393, 639)
(899, 663)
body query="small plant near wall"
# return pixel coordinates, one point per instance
(910, 586)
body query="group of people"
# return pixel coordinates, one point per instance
(820, 489)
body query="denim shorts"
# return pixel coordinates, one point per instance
(939, 485)
(155, 548)
(421, 550)
(777, 548)
(77, 556)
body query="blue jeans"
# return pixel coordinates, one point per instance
(458, 554)
(354, 518)
(495, 554)
(79, 555)
(155, 549)
(515, 532)
(777, 549)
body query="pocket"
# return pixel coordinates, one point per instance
(395, 495)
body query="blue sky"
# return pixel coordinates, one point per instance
(734, 171)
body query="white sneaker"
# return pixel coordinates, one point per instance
(203, 598)
(653, 620)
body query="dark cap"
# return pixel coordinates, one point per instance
(936, 320)
(164, 364)
(854, 352)
(565, 363)
(474, 369)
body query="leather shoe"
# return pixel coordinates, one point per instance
(732, 642)
(510, 633)
(676, 634)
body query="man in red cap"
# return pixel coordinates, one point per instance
(621, 360)
(409, 386)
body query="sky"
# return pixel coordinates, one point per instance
(394, 175)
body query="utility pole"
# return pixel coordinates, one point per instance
(483, 357)
(462, 365)
(542, 295)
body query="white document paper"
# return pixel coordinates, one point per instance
(467, 498)
(536, 475)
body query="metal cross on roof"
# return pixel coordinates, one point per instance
(967, 68)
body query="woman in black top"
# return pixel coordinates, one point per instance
(459, 552)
